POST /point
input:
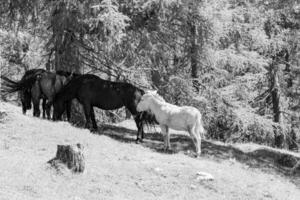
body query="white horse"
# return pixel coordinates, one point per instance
(185, 118)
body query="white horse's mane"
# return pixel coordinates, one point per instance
(160, 97)
(157, 96)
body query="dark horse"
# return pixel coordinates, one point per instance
(39, 84)
(90, 91)
(25, 94)
(23, 87)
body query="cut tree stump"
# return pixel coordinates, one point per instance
(295, 168)
(70, 155)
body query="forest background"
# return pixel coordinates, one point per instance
(237, 61)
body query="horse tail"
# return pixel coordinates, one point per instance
(7, 80)
(11, 86)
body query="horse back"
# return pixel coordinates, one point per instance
(192, 111)
(32, 72)
(100, 93)
(106, 94)
(73, 88)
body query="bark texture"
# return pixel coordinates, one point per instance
(70, 155)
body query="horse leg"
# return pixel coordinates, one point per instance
(48, 107)
(24, 108)
(68, 110)
(165, 132)
(44, 108)
(36, 109)
(142, 133)
(93, 119)
(36, 95)
(140, 130)
(198, 132)
(168, 138)
(195, 135)
(87, 113)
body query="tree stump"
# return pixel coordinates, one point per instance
(71, 156)
(296, 167)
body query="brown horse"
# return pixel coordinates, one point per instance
(36, 85)
(46, 86)
(24, 90)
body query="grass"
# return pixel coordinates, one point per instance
(117, 168)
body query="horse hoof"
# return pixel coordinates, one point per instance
(168, 149)
(198, 155)
(138, 141)
(94, 130)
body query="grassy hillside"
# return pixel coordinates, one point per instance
(117, 168)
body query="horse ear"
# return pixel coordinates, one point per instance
(153, 92)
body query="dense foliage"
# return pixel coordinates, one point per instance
(236, 60)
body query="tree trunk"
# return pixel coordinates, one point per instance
(295, 168)
(127, 114)
(194, 56)
(66, 53)
(71, 156)
(292, 145)
(280, 137)
(156, 78)
(288, 69)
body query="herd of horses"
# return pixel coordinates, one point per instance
(59, 88)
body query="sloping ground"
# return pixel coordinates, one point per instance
(117, 168)
(254, 155)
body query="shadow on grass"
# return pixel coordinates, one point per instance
(211, 150)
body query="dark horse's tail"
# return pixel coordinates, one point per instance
(7, 83)
(10, 86)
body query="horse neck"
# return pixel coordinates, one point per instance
(68, 93)
(155, 106)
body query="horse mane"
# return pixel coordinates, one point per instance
(158, 97)
(146, 118)
(69, 90)
(65, 73)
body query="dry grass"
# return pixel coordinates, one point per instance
(117, 168)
